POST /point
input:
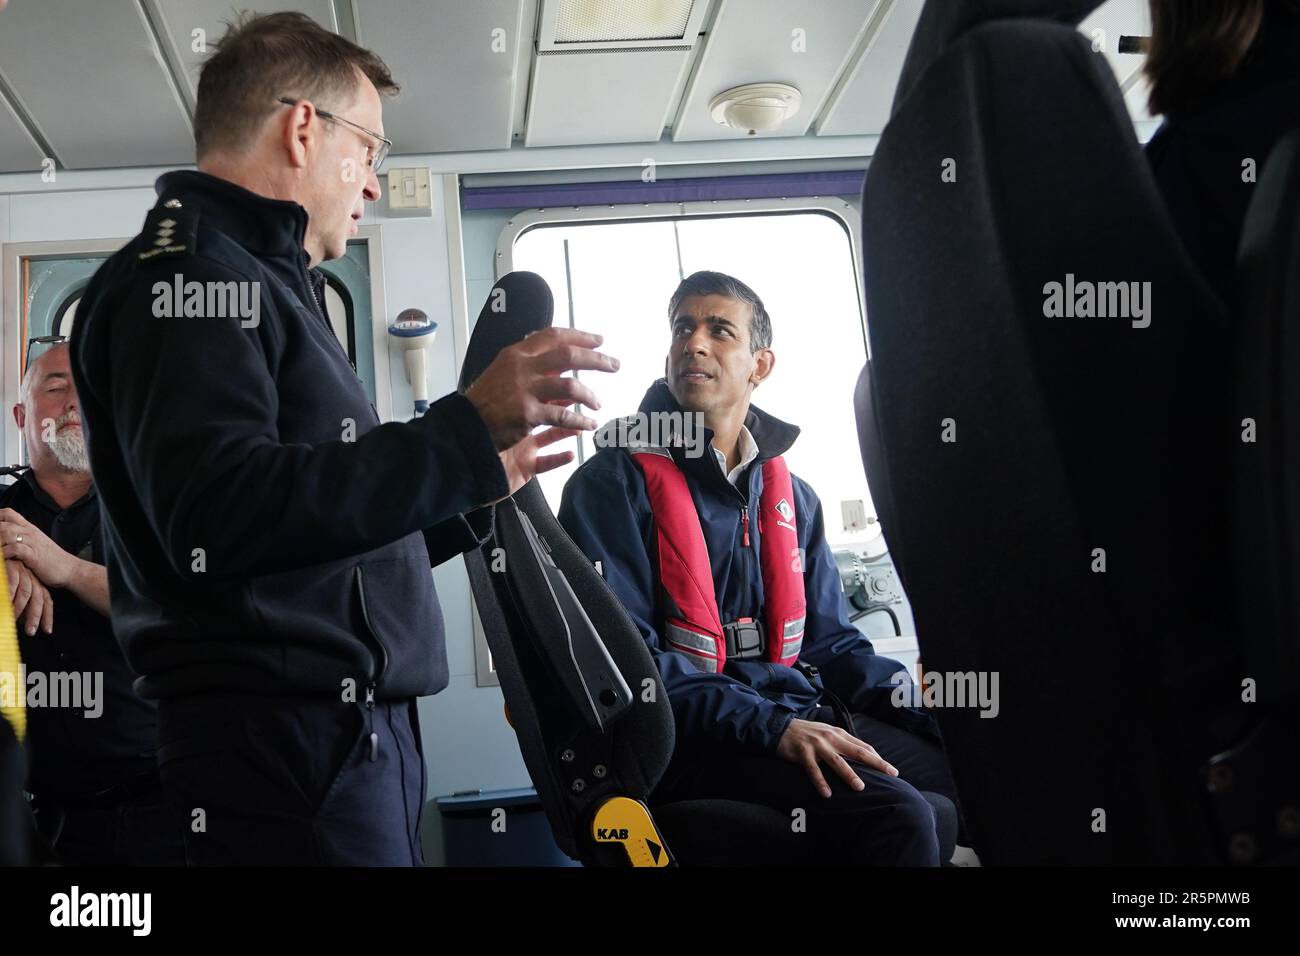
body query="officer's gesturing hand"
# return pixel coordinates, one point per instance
(525, 385)
(808, 742)
(524, 461)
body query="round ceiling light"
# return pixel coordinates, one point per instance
(755, 107)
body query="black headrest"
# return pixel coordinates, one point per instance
(519, 304)
(944, 21)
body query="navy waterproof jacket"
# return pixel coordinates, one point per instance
(748, 706)
(265, 533)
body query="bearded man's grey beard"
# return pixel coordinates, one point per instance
(69, 447)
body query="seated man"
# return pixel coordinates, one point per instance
(767, 678)
(91, 758)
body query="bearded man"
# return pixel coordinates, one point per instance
(91, 740)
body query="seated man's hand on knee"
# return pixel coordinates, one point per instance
(809, 742)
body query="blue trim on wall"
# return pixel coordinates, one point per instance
(771, 186)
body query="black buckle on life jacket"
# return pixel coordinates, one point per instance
(745, 639)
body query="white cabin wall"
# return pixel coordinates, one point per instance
(57, 214)
(467, 743)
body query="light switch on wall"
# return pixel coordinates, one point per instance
(409, 193)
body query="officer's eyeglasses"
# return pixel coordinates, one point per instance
(377, 154)
(46, 342)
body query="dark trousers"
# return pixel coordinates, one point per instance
(15, 828)
(137, 830)
(294, 781)
(908, 820)
(922, 763)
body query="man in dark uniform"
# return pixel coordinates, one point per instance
(92, 762)
(269, 541)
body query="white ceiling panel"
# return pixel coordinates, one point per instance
(862, 104)
(457, 63)
(191, 25)
(18, 153)
(759, 41)
(92, 78)
(621, 96)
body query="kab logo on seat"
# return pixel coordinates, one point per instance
(611, 834)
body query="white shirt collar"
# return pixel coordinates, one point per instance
(748, 452)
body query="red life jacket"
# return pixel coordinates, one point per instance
(693, 624)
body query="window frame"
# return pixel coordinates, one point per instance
(527, 220)
(13, 331)
(835, 207)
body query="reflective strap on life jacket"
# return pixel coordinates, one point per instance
(696, 627)
(687, 576)
(792, 643)
(702, 648)
(785, 605)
